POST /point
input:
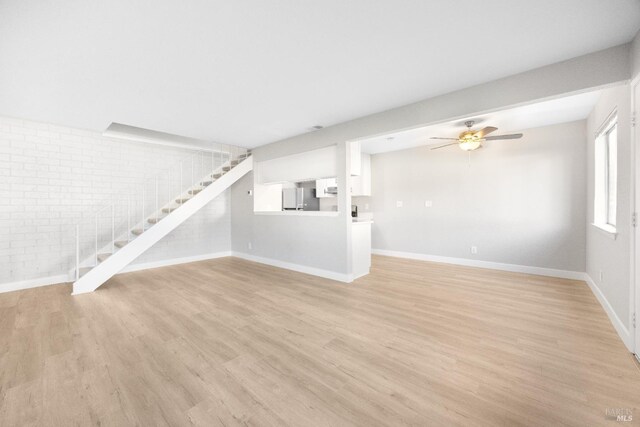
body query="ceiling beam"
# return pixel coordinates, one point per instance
(584, 73)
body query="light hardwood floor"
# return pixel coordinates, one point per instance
(230, 342)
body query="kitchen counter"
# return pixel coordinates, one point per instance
(361, 221)
(298, 213)
(361, 247)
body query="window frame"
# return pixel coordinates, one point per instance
(607, 175)
(603, 217)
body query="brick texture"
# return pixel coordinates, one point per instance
(53, 177)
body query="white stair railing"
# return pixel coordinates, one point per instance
(144, 205)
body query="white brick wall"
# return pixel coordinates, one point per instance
(50, 176)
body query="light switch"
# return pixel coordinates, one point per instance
(399, 204)
(428, 204)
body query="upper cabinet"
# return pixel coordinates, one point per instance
(361, 185)
(356, 164)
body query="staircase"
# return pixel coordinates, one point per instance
(155, 222)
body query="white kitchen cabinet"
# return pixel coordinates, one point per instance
(361, 185)
(323, 185)
(356, 164)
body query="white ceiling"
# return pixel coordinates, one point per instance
(252, 72)
(512, 120)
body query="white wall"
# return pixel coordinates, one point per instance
(612, 257)
(51, 175)
(519, 202)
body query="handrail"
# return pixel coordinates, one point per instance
(88, 216)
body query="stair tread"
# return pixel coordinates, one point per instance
(137, 231)
(103, 257)
(121, 243)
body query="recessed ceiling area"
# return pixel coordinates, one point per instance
(132, 133)
(253, 72)
(512, 120)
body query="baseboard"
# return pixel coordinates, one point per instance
(619, 326)
(174, 261)
(66, 278)
(34, 283)
(357, 276)
(540, 271)
(327, 274)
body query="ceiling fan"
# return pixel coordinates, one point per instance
(472, 139)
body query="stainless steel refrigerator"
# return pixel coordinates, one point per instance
(301, 199)
(292, 198)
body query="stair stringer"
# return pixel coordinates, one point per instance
(90, 261)
(123, 257)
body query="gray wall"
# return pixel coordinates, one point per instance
(520, 202)
(612, 257)
(317, 242)
(635, 56)
(578, 74)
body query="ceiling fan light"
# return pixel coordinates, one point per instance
(470, 144)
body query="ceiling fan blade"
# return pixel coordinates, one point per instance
(449, 139)
(445, 145)
(512, 136)
(486, 131)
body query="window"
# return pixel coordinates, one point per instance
(606, 175)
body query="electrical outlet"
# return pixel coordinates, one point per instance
(474, 250)
(399, 204)
(250, 245)
(428, 203)
(250, 192)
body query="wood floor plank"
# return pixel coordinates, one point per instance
(230, 342)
